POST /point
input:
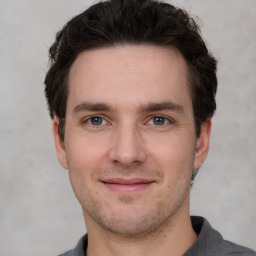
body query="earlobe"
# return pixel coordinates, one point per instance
(59, 144)
(202, 144)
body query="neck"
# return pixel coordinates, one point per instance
(176, 236)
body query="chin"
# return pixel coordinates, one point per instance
(133, 221)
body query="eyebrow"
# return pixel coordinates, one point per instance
(150, 107)
(89, 106)
(159, 106)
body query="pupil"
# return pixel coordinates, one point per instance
(96, 120)
(158, 120)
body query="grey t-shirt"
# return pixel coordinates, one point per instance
(209, 243)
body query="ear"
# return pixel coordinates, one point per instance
(202, 144)
(59, 144)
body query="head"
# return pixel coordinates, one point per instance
(145, 22)
(131, 89)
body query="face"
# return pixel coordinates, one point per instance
(130, 144)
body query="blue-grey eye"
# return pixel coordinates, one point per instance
(159, 120)
(96, 120)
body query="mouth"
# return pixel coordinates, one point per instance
(124, 186)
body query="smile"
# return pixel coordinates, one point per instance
(124, 186)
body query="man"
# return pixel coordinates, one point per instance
(131, 90)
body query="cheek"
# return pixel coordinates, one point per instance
(172, 152)
(84, 153)
(174, 157)
(84, 156)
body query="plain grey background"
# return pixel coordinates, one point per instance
(39, 214)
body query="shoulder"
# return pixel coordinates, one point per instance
(79, 250)
(210, 242)
(234, 249)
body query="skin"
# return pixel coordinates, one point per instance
(130, 148)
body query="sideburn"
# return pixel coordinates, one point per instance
(61, 128)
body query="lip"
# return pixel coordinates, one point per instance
(124, 186)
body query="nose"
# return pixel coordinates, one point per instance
(127, 146)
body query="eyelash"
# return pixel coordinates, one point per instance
(165, 119)
(89, 119)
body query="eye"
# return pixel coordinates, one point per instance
(95, 120)
(159, 120)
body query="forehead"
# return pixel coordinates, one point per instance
(125, 74)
